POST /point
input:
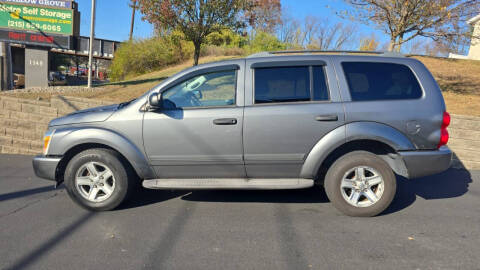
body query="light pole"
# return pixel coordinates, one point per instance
(92, 38)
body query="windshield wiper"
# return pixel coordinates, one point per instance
(123, 104)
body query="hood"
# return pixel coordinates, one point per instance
(97, 114)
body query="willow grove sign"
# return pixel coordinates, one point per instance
(45, 3)
(36, 19)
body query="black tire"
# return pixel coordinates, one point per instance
(123, 175)
(346, 163)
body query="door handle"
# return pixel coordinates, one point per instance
(327, 117)
(225, 121)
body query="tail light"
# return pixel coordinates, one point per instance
(443, 132)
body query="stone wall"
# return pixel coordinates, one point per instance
(23, 122)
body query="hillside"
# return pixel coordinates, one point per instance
(459, 80)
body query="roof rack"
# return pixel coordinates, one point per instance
(265, 54)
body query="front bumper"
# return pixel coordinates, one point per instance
(423, 163)
(45, 167)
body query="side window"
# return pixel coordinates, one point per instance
(380, 81)
(210, 89)
(282, 84)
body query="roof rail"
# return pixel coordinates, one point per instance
(265, 54)
(260, 54)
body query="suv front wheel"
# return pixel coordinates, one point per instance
(97, 180)
(360, 184)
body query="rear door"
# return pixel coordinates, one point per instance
(290, 104)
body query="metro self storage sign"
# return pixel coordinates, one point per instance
(36, 19)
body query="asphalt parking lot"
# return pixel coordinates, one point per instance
(434, 223)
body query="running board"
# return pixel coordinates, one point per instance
(228, 183)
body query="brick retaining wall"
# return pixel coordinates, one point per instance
(23, 122)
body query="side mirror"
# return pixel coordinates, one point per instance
(155, 100)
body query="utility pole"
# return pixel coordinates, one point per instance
(92, 38)
(6, 67)
(134, 8)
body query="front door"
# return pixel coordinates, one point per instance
(198, 132)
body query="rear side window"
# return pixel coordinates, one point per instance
(380, 81)
(290, 84)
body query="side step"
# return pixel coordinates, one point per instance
(228, 183)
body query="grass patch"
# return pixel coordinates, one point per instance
(463, 104)
(455, 75)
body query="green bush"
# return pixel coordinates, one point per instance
(262, 41)
(143, 56)
(226, 38)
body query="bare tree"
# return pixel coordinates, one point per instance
(435, 48)
(369, 43)
(415, 46)
(404, 20)
(310, 28)
(333, 37)
(287, 28)
(315, 33)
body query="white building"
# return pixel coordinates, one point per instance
(474, 52)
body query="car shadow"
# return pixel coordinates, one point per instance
(27, 192)
(311, 195)
(143, 197)
(449, 184)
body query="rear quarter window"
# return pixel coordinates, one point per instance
(381, 81)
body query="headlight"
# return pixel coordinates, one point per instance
(46, 141)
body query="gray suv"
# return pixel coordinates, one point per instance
(280, 120)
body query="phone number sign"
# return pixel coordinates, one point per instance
(36, 19)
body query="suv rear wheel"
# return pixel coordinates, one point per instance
(97, 180)
(360, 184)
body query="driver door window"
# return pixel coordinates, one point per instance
(206, 90)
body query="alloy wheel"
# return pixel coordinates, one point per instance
(362, 186)
(95, 181)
